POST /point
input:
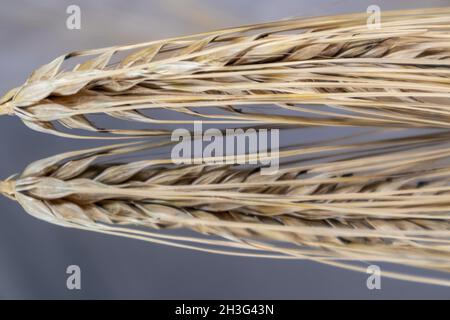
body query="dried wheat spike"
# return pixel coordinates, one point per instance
(397, 75)
(386, 201)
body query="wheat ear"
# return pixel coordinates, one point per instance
(338, 204)
(397, 75)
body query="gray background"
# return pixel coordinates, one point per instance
(34, 255)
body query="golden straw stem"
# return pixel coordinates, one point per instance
(7, 187)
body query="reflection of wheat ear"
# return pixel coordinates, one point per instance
(397, 75)
(382, 201)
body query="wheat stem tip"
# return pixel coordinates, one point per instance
(7, 187)
(6, 109)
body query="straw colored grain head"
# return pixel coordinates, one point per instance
(397, 75)
(383, 201)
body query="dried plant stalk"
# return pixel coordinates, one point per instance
(386, 201)
(397, 75)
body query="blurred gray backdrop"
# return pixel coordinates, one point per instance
(34, 255)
